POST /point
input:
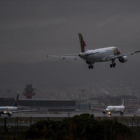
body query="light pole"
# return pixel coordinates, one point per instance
(82, 93)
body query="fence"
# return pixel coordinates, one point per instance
(20, 124)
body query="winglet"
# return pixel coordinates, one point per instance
(82, 43)
(16, 100)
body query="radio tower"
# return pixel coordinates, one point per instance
(29, 92)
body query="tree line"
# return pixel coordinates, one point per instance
(79, 127)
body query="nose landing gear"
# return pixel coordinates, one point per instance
(90, 64)
(113, 64)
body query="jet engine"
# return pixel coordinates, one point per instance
(104, 112)
(121, 113)
(9, 114)
(123, 59)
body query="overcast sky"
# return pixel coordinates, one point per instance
(31, 29)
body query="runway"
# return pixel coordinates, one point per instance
(69, 114)
(26, 119)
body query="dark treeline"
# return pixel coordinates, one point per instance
(82, 127)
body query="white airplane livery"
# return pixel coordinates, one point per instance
(9, 110)
(117, 109)
(98, 55)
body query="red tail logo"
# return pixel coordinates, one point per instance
(82, 42)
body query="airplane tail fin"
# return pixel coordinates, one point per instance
(123, 102)
(82, 43)
(16, 100)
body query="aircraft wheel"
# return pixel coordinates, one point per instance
(114, 64)
(121, 113)
(90, 67)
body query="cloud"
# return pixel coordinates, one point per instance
(31, 23)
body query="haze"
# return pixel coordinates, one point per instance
(29, 30)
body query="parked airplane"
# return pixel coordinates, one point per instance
(97, 55)
(116, 109)
(9, 110)
(137, 113)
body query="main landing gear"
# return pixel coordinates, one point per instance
(113, 64)
(90, 66)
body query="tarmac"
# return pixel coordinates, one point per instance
(28, 118)
(68, 114)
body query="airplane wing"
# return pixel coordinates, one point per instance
(10, 113)
(18, 111)
(118, 110)
(118, 56)
(98, 109)
(67, 56)
(133, 52)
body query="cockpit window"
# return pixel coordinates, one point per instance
(118, 51)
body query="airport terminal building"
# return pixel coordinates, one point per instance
(49, 105)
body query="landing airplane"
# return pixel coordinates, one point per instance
(116, 109)
(97, 55)
(9, 110)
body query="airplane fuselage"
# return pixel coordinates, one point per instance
(115, 109)
(11, 108)
(98, 55)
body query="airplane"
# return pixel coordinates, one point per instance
(137, 112)
(9, 110)
(98, 55)
(116, 109)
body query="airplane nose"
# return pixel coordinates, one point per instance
(81, 54)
